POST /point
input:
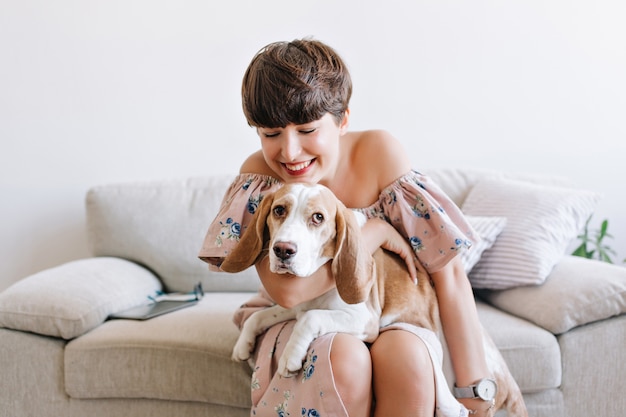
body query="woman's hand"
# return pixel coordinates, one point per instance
(288, 290)
(380, 234)
(478, 407)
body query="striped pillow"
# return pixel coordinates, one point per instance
(542, 221)
(488, 228)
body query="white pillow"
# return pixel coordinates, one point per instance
(541, 223)
(71, 299)
(488, 228)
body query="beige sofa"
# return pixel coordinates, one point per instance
(564, 340)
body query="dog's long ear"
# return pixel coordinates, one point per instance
(250, 246)
(352, 265)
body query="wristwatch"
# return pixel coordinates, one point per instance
(485, 389)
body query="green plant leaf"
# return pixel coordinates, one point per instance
(601, 250)
(605, 225)
(604, 257)
(581, 250)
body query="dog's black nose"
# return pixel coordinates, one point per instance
(285, 250)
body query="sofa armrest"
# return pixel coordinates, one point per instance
(578, 291)
(73, 298)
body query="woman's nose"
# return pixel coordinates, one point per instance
(291, 146)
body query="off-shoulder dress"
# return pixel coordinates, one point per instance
(419, 210)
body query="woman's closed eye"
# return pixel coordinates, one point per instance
(303, 130)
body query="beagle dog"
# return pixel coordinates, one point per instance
(303, 228)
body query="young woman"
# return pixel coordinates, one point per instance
(296, 94)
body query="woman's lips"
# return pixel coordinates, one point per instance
(298, 168)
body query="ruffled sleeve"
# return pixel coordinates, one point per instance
(423, 213)
(238, 206)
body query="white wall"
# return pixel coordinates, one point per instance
(120, 90)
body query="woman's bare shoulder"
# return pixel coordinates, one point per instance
(255, 164)
(379, 137)
(378, 141)
(381, 151)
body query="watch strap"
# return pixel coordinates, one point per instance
(465, 392)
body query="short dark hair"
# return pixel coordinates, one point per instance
(295, 82)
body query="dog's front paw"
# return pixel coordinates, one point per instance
(288, 367)
(290, 362)
(243, 348)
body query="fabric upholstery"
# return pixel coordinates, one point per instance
(548, 403)
(579, 291)
(520, 343)
(488, 228)
(181, 356)
(542, 221)
(31, 369)
(71, 299)
(143, 407)
(174, 364)
(593, 356)
(162, 224)
(458, 182)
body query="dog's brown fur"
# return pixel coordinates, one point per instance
(380, 280)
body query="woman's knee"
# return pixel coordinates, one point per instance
(403, 375)
(401, 350)
(352, 370)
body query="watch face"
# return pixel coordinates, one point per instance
(486, 389)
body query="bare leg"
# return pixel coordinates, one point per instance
(352, 370)
(403, 376)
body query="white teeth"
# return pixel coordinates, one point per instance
(297, 167)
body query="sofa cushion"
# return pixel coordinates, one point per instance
(488, 228)
(542, 221)
(531, 353)
(579, 291)
(184, 355)
(458, 182)
(162, 224)
(73, 298)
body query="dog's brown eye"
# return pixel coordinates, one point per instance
(317, 218)
(279, 211)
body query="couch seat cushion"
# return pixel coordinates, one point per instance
(184, 355)
(532, 353)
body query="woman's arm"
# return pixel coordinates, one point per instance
(380, 234)
(462, 329)
(288, 290)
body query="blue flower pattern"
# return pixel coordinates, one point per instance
(253, 203)
(309, 366)
(409, 195)
(419, 207)
(416, 243)
(310, 413)
(230, 229)
(282, 409)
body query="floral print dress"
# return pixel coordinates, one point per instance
(419, 210)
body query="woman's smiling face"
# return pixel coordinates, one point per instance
(306, 152)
